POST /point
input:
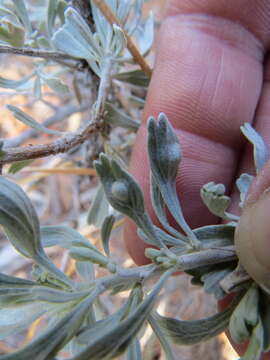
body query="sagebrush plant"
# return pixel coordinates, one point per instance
(207, 253)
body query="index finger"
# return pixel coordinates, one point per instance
(207, 79)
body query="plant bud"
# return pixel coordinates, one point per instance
(120, 190)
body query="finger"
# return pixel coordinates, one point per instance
(262, 126)
(255, 217)
(207, 78)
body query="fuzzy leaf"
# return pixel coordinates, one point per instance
(93, 332)
(215, 235)
(211, 282)
(86, 271)
(115, 117)
(106, 230)
(260, 151)
(122, 191)
(22, 14)
(245, 316)
(28, 120)
(163, 237)
(134, 350)
(18, 166)
(213, 196)
(15, 291)
(64, 236)
(85, 254)
(158, 205)
(135, 77)
(236, 280)
(37, 88)
(56, 85)
(47, 294)
(12, 33)
(51, 15)
(166, 346)
(115, 339)
(75, 38)
(196, 331)
(243, 184)
(46, 345)
(99, 208)
(125, 195)
(14, 84)
(255, 346)
(14, 320)
(164, 156)
(19, 219)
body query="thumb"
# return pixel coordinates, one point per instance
(252, 239)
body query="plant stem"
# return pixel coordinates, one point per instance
(44, 54)
(60, 145)
(184, 262)
(206, 257)
(104, 85)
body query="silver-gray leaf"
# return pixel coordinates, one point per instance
(115, 339)
(22, 14)
(255, 346)
(99, 208)
(134, 350)
(106, 230)
(19, 219)
(158, 205)
(46, 345)
(243, 184)
(164, 341)
(164, 155)
(245, 317)
(122, 191)
(64, 236)
(195, 331)
(213, 196)
(15, 84)
(28, 120)
(260, 151)
(135, 77)
(115, 117)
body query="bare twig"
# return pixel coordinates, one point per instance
(61, 114)
(61, 145)
(50, 55)
(110, 16)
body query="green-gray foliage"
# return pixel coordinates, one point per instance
(54, 293)
(206, 254)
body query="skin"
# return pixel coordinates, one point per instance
(210, 76)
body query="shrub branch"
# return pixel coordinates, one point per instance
(60, 145)
(44, 54)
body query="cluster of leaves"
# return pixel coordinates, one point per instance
(207, 254)
(69, 305)
(59, 29)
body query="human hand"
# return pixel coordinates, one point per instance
(210, 77)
